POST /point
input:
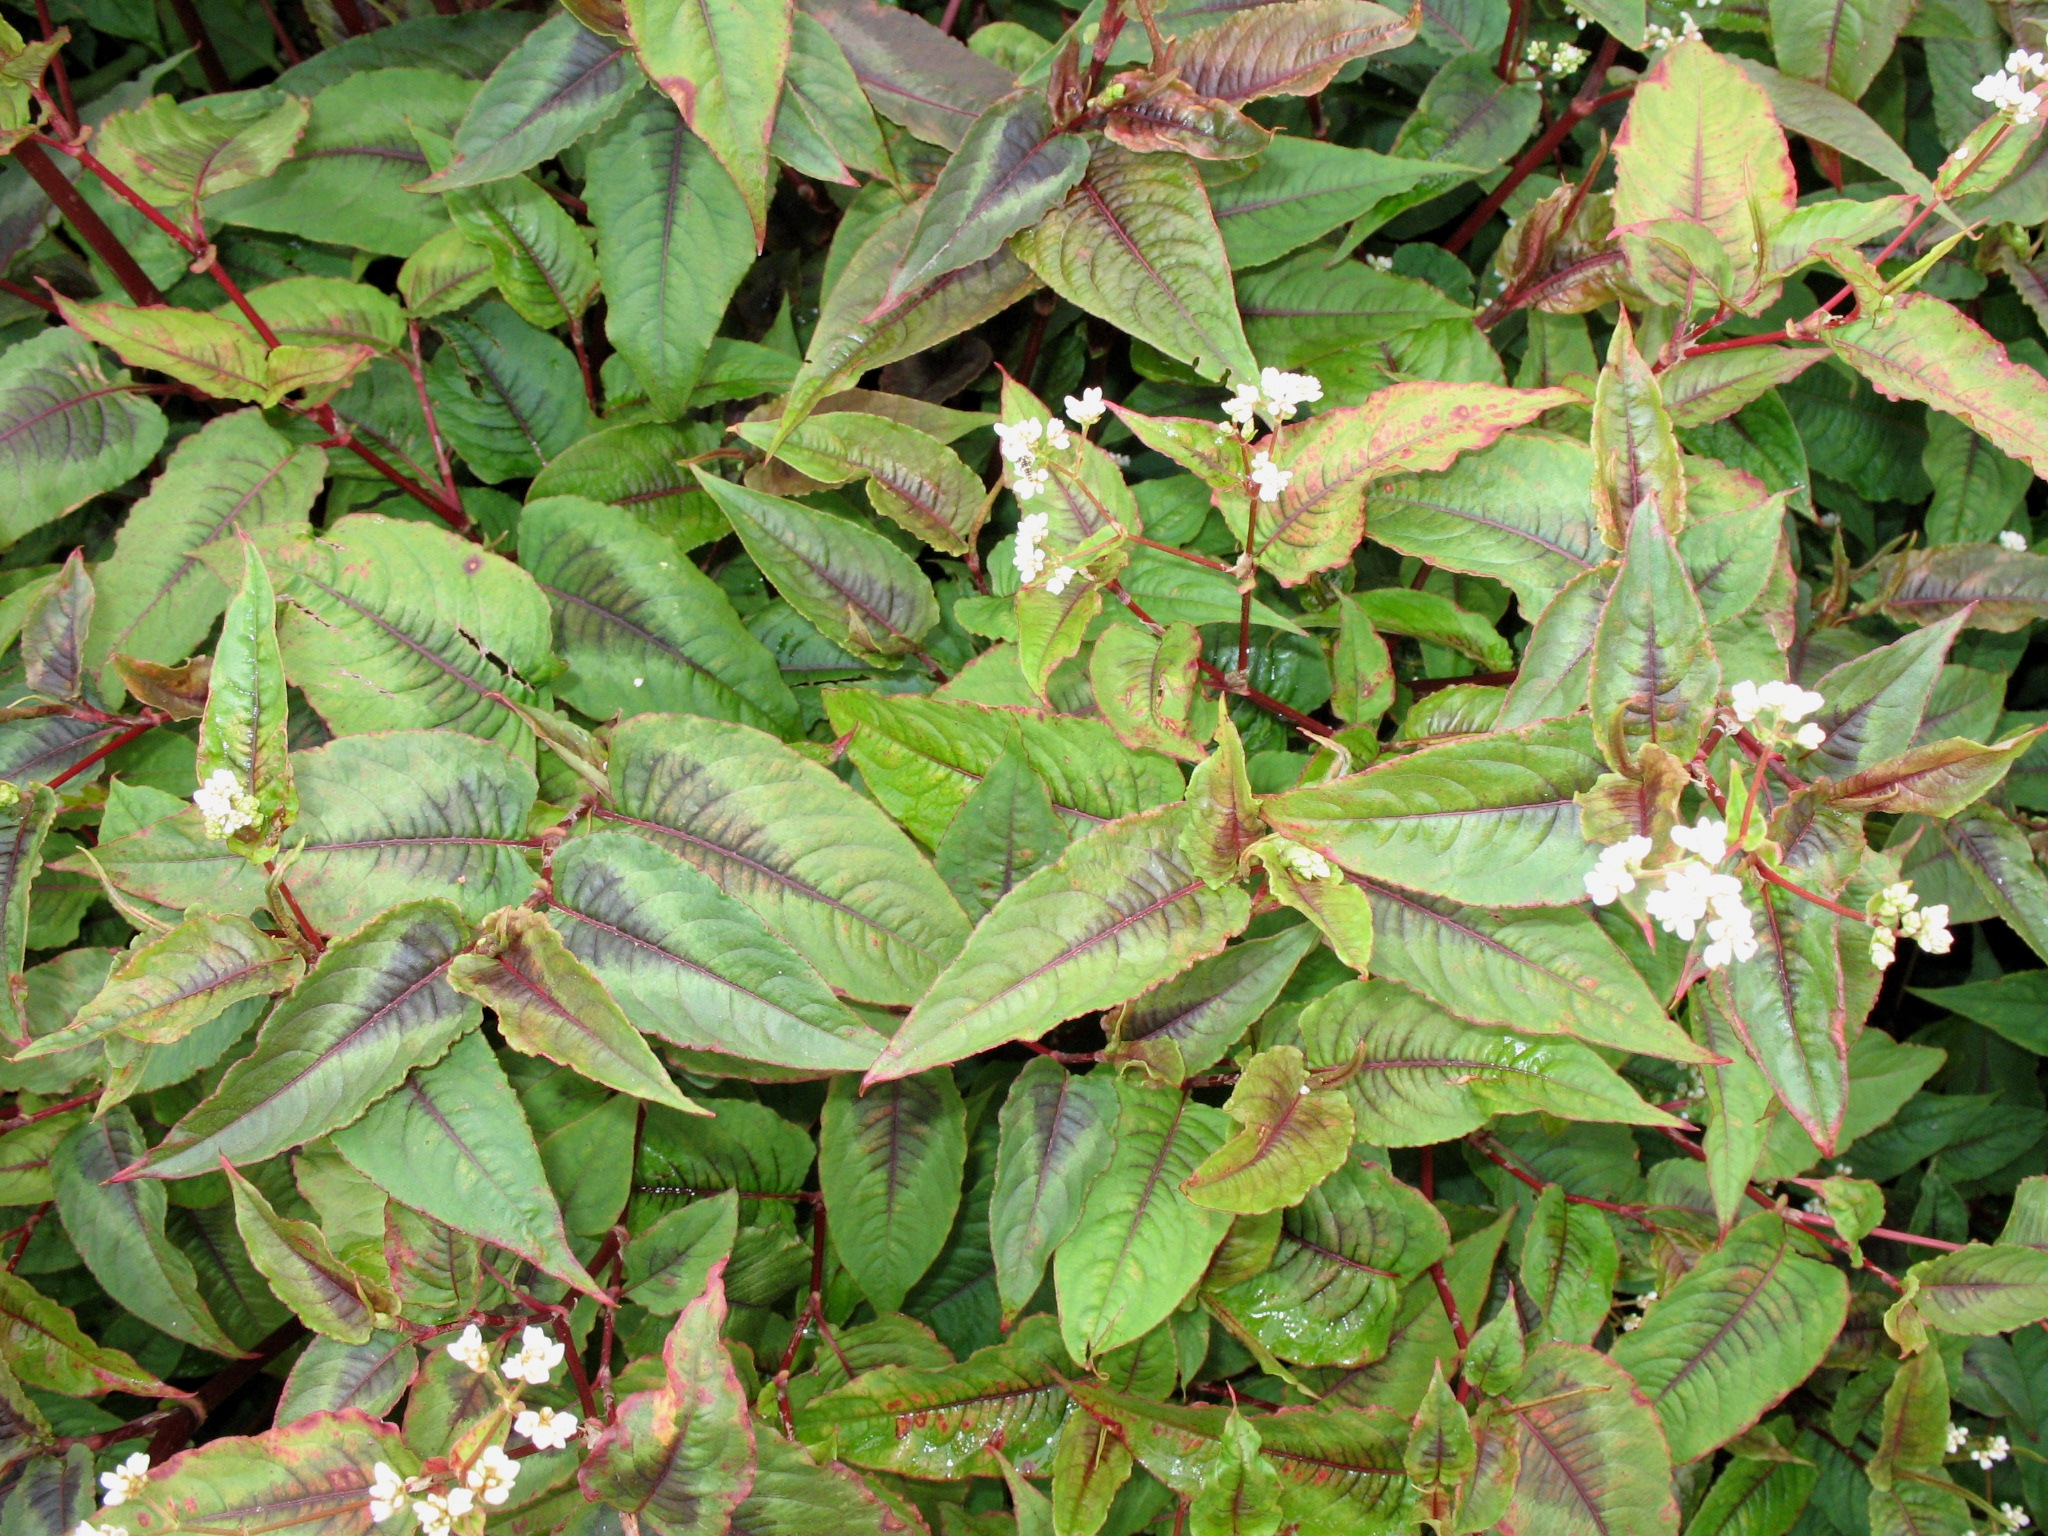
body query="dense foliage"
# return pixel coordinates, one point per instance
(641, 895)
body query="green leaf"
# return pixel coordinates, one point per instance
(1569, 1259)
(822, 866)
(1404, 429)
(1977, 489)
(1301, 878)
(452, 1143)
(1488, 819)
(508, 397)
(1837, 43)
(46, 1349)
(1361, 667)
(913, 73)
(1286, 53)
(1442, 1453)
(563, 81)
(669, 1264)
(390, 625)
(1941, 778)
(153, 599)
(1655, 676)
(680, 1458)
(672, 233)
(349, 182)
(549, 1004)
(722, 65)
(1137, 245)
(1184, 1026)
(1301, 190)
(119, 1230)
(541, 260)
(1759, 1496)
(444, 274)
(1241, 1494)
(1223, 819)
(693, 966)
(294, 1257)
(330, 1376)
(889, 1164)
(1292, 1137)
(177, 155)
(858, 588)
(824, 125)
(951, 1421)
(1789, 1007)
(912, 479)
(1344, 1256)
(1007, 831)
(1747, 1324)
(1141, 1245)
(2003, 590)
(1591, 1454)
(637, 467)
(793, 1495)
(1876, 702)
(1415, 1075)
(218, 356)
(68, 429)
(53, 630)
(1977, 1289)
(375, 1005)
(1118, 912)
(243, 732)
(1057, 1134)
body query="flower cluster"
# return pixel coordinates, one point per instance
(536, 1359)
(1690, 893)
(1086, 408)
(1778, 704)
(2016, 542)
(1383, 263)
(2008, 89)
(1029, 554)
(1554, 59)
(1896, 911)
(1656, 35)
(1307, 864)
(1268, 478)
(1020, 444)
(1641, 1304)
(1278, 394)
(225, 805)
(1990, 1451)
(126, 1480)
(548, 1428)
(438, 1512)
(471, 1350)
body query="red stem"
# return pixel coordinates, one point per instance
(351, 16)
(16, 1122)
(89, 226)
(417, 368)
(1184, 554)
(28, 296)
(202, 45)
(1771, 877)
(57, 70)
(108, 750)
(583, 361)
(285, 44)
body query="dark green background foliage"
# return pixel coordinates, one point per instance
(815, 769)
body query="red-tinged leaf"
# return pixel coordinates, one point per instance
(1712, 386)
(1592, 1454)
(1288, 50)
(1790, 1008)
(1655, 676)
(1635, 452)
(680, 1458)
(914, 74)
(311, 1478)
(1404, 429)
(2004, 590)
(44, 1347)
(1926, 349)
(1938, 779)
(1169, 115)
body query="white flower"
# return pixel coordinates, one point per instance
(548, 1428)
(1269, 477)
(1056, 437)
(1731, 931)
(1243, 407)
(1615, 872)
(2016, 542)
(1384, 263)
(1928, 927)
(1656, 35)
(1283, 393)
(2016, 1519)
(471, 1350)
(1789, 702)
(1308, 864)
(1558, 59)
(1810, 736)
(2006, 91)
(387, 1493)
(1958, 1437)
(1632, 1322)
(224, 804)
(1057, 582)
(87, 1528)
(439, 1511)
(1028, 481)
(1893, 902)
(1019, 443)
(494, 1474)
(1086, 408)
(1030, 551)
(1745, 698)
(1708, 839)
(1883, 950)
(2020, 62)
(537, 1358)
(126, 1480)
(1991, 1452)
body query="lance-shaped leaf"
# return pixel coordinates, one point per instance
(1876, 702)
(68, 429)
(392, 624)
(549, 1004)
(2004, 590)
(1343, 1258)
(1404, 429)
(1654, 672)
(1568, 1264)
(1700, 145)
(1489, 819)
(1790, 1008)
(452, 1142)
(1012, 168)
(243, 732)
(1442, 1452)
(1118, 912)
(824, 126)
(912, 478)
(1592, 1455)
(1924, 349)
(950, 1422)
(695, 966)
(1998, 860)
(922, 757)
(24, 826)
(722, 65)
(822, 866)
(672, 245)
(1303, 879)
(1006, 831)
(118, 1229)
(1978, 1289)
(393, 816)
(1636, 461)
(1747, 1324)
(1291, 52)
(680, 1457)
(53, 630)
(914, 74)
(1136, 244)
(311, 1478)
(1223, 818)
(1056, 1135)
(1710, 387)
(1140, 1245)
(1183, 1027)
(330, 1376)
(641, 627)
(860, 590)
(1158, 116)
(293, 1256)
(889, 1164)
(1292, 1136)
(1340, 1469)
(541, 262)
(793, 1494)
(668, 1265)
(507, 394)
(1416, 1075)
(375, 1005)
(216, 355)
(1938, 779)
(1145, 686)
(853, 334)
(562, 82)
(46, 1348)
(179, 980)
(1755, 1495)
(178, 154)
